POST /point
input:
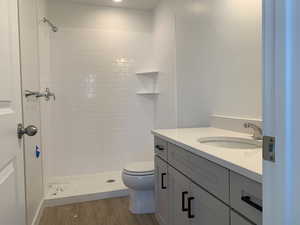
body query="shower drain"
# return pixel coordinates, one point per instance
(110, 181)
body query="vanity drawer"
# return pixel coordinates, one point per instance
(161, 148)
(210, 176)
(246, 197)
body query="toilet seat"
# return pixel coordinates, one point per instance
(140, 168)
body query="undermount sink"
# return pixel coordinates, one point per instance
(231, 142)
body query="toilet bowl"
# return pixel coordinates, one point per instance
(139, 178)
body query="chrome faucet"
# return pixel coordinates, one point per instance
(257, 131)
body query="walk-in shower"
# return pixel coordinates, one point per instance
(100, 121)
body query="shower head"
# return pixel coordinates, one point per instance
(53, 27)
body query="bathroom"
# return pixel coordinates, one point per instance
(130, 106)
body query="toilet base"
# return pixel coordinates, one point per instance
(141, 202)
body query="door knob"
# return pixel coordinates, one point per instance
(30, 130)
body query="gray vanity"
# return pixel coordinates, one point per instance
(191, 189)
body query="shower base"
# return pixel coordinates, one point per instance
(72, 189)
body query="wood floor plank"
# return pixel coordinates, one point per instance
(113, 211)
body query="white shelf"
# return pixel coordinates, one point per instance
(149, 73)
(147, 93)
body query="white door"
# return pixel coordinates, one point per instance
(12, 199)
(281, 180)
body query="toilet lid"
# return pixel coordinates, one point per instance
(140, 168)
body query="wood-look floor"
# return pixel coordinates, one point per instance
(103, 212)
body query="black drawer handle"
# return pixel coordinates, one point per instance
(159, 147)
(190, 215)
(248, 200)
(163, 181)
(183, 208)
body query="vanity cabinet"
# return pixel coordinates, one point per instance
(161, 191)
(191, 190)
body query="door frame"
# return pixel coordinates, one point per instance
(281, 50)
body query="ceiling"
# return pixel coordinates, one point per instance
(133, 4)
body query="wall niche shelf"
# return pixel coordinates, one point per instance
(148, 73)
(147, 93)
(148, 83)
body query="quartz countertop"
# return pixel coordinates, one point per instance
(247, 162)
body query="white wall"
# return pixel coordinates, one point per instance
(218, 45)
(165, 60)
(98, 123)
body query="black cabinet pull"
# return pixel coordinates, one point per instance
(183, 208)
(248, 200)
(163, 181)
(190, 215)
(159, 147)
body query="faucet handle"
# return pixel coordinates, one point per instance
(49, 94)
(29, 93)
(246, 125)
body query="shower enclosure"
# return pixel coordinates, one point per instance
(105, 71)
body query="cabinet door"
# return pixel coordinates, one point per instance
(206, 209)
(238, 220)
(161, 191)
(179, 192)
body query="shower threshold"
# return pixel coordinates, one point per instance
(73, 189)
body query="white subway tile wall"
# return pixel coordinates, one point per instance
(98, 123)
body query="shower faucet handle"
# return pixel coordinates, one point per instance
(48, 94)
(29, 93)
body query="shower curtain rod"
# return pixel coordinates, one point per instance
(53, 27)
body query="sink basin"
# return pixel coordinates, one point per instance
(231, 142)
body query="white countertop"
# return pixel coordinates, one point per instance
(247, 162)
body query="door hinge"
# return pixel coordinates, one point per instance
(269, 148)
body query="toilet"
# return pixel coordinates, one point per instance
(139, 178)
